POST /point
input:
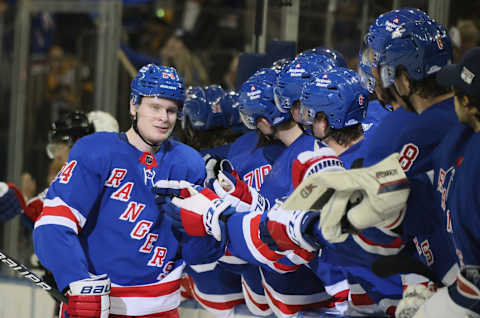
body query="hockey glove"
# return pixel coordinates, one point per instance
(356, 199)
(413, 298)
(235, 191)
(88, 298)
(172, 188)
(10, 205)
(212, 166)
(198, 215)
(285, 230)
(461, 299)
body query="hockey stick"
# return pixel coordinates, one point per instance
(27, 274)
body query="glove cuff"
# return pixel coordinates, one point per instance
(211, 218)
(300, 230)
(94, 286)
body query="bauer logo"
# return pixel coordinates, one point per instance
(386, 173)
(305, 192)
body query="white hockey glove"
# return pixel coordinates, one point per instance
(212, 163)
(356, 199)
(413, 298)
(88, 298)
(461, 299)
(235, 191)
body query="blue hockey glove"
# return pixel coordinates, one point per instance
(9, 204)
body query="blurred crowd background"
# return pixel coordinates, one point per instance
(63, 55)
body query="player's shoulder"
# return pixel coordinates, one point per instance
(96, 145)
(244, 143)
(182, 152)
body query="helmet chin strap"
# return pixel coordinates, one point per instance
(135, 128)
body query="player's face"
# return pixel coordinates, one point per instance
(319, 127)
(156, 118)
(264, 126)
(462, 111)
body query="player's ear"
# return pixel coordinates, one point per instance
(133, 108)
(295, 111)
(402, 82)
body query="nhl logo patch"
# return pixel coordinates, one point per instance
(467, 75)
(148, 159)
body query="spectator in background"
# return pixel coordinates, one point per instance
(175, 53)
(465, 35)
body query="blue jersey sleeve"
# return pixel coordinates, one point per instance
(70, 198)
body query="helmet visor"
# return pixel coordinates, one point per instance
(248, 120)
(306, 114)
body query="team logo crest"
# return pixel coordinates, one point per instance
(167, 75)
(361, 100)
(439, 40)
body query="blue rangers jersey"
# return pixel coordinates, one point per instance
(279, 271)
(374, 116)
(100, 217)
(456, 185)
(413, 136)
(220, 286)
(254, 164)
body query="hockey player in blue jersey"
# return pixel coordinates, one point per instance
(101, 233)
(303, 154)
(61, 136)
(456, 188)
(334, 104)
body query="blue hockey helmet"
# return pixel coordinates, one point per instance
(338, 94)
(365, 74)
(216, 117)
(332, 54)
(195, 109)
(389, 25)
(279, 64)
(157, 81)
(290, 80)
(256, 100)
(229, 104)
(422, 48)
